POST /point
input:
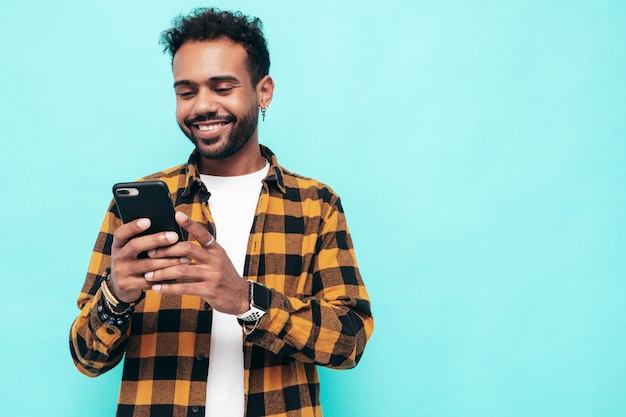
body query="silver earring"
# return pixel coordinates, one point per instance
(263, 110)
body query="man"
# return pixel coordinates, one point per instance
(235, 320)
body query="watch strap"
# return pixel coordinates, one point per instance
(258, 308)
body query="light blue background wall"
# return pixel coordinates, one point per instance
(479, 148)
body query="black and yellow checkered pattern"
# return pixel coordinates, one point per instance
(299, 247)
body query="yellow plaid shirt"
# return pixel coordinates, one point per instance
(299, 247)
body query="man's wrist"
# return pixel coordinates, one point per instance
(112, 297)
(245, 300)
(259, 302)
(113, 301)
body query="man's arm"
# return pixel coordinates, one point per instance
(330, 327)
(96, 344)
(97, 347)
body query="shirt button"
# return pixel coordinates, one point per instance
(200, 357)
(195, 409)
(207, 306)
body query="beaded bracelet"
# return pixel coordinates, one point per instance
(108, 304)
(108, 316)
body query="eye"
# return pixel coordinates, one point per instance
(224, 90)
(185, 93)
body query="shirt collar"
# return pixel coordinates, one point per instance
(275, 174)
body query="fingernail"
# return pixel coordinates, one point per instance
(156, 287)
(148, 275)
(143, 223)
(151, 252)
(181, 216)
(184, 260)
(171, 237)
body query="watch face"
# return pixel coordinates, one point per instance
(261, 296)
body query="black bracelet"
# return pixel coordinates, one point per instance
(107, 311)
(107, 315)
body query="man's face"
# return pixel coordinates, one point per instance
(216, 104)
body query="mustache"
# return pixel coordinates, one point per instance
(215, 118)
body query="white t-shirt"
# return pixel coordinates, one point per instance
(233, 204)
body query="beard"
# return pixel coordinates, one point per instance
(242, 131)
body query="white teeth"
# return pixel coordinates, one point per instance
(210, 127)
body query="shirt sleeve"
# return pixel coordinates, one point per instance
(331, 326)
(97, 347)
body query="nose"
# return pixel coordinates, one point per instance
(205, 103)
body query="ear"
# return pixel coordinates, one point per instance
(265, 91)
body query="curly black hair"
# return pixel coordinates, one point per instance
(209, 24)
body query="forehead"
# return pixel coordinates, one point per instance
(201, 60)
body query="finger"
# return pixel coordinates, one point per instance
(146, 243)
(126, 231)
(179, 250)
(164, 263)
(130, 287)
(139, 275)
(173, 288)
(195, 229)
(193, 272)
(137, 267)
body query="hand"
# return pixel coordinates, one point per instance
(210, 274)
(127, 278)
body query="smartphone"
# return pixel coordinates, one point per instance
(147, 199)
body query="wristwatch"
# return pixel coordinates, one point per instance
(260, 299)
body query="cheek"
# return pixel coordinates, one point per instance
(181, 113)
(240, 103)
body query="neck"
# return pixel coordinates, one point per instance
(246, 161)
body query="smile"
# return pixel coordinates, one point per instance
(210, 127)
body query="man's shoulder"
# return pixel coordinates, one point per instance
(174, 177)
(307, 188)
(171, 172)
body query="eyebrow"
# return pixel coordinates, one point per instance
(216, 79)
